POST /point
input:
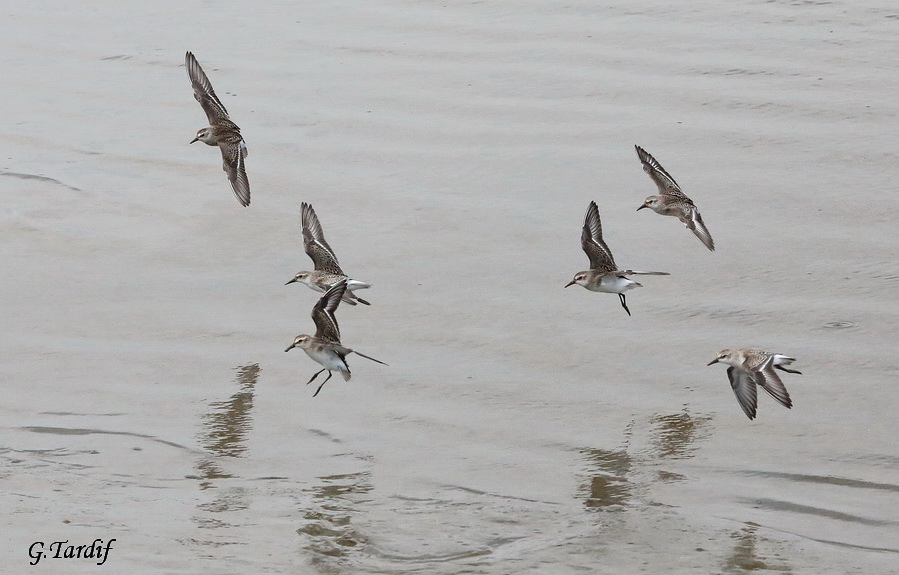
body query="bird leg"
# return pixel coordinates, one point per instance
(624, 303)
(311, 379)
(782, 368)
(323, 383)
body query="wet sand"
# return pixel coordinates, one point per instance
(450, 152)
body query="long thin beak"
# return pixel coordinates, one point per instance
(571, 283)
(712, 362)
(641, 207)
(195, 140)
(291, 347)
(291, 281)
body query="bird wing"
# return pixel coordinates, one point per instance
(744, 388)
(693, 220)
(203, 92)
(323, 313)
(766, 377)
(233, 154)
(663, 180)
(314, 242)
(591, 241)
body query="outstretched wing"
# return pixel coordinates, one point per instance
(314, 242)
(323, 313)
(203, 91)
(591, 241)
(695, 224)
(233, 154)
(770, 382)
(744, 388)
(663, 180)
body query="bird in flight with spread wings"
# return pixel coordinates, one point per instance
(603, 275)
(221, 131)
(671, 201)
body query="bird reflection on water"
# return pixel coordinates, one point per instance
(616, 476)
(329, 532)
(226, 425)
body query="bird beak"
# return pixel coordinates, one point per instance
(641, 207)
(195, 140)
(291, 281)
(291, 347)
(712, 362)
(571, 283)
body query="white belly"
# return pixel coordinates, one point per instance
(328, 359)
(613, 284)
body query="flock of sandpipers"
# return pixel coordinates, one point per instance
(749, 368)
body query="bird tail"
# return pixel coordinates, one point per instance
(368, 357)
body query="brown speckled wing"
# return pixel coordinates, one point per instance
(663, 180)
(323, 314)
(314, 242)
(592, 243)
(233, 163)
(203, 92)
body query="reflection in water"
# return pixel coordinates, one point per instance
(228, 422)
(674, 435)
(328, 531)
(226, 425)
(224, 433)
(608, 488)
(746, 556)
(615, 475)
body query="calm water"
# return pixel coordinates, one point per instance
(450, 152)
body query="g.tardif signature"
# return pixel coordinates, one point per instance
(62, 550)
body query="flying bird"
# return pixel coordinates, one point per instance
(752, 367)
(603, 275)
(325, 347)
(221, 131)
(671, 201)
(327, 271)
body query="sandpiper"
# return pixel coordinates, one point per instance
(671, 201)
(324, 347)
(603, 275)
(327, 271)
(221, 132)
(751, 367)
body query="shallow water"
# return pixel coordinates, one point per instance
(450, 152)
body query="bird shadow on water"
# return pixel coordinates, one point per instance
(617, 478)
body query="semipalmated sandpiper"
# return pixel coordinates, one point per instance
(221, 132)
(671, 201)
(324, 347)
(327, 271)
(603, 275)
(752, 367)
